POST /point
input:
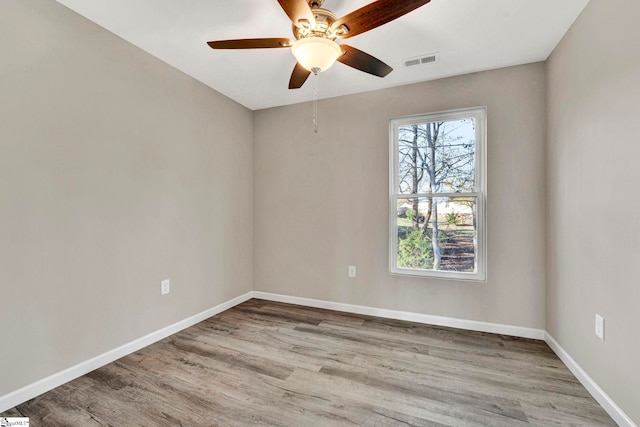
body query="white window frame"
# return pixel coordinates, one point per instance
(480, 192)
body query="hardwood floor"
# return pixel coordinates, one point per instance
(267, 363)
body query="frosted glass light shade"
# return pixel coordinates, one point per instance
(316, 52)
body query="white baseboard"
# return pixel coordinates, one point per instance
(594, 389)
(30, 391)
(472, 325)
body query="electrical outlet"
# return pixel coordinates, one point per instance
(352, 271)
(600, 327)
(165, 287)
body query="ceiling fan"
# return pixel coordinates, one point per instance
(315, 31)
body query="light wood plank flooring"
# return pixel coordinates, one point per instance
(266, 363)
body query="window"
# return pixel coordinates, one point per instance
(437, 195)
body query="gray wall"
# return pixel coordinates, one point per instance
(321, 200)
(116, 171)
(593, 219)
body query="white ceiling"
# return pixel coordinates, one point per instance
(469, 35)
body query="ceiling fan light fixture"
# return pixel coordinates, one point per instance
(316, 52)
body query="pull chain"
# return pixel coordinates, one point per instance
(315, 71)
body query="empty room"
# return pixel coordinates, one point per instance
(319, 213)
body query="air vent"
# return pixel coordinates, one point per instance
(420, 60)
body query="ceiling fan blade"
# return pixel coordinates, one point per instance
(299, 12)
(363, 61)
(298, 77)
(375, 14)
(250, 43)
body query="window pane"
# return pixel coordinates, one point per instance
(437, 157)
(455, 223)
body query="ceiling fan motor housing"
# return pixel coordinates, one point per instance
(322, 27)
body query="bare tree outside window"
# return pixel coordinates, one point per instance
(436, 192)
